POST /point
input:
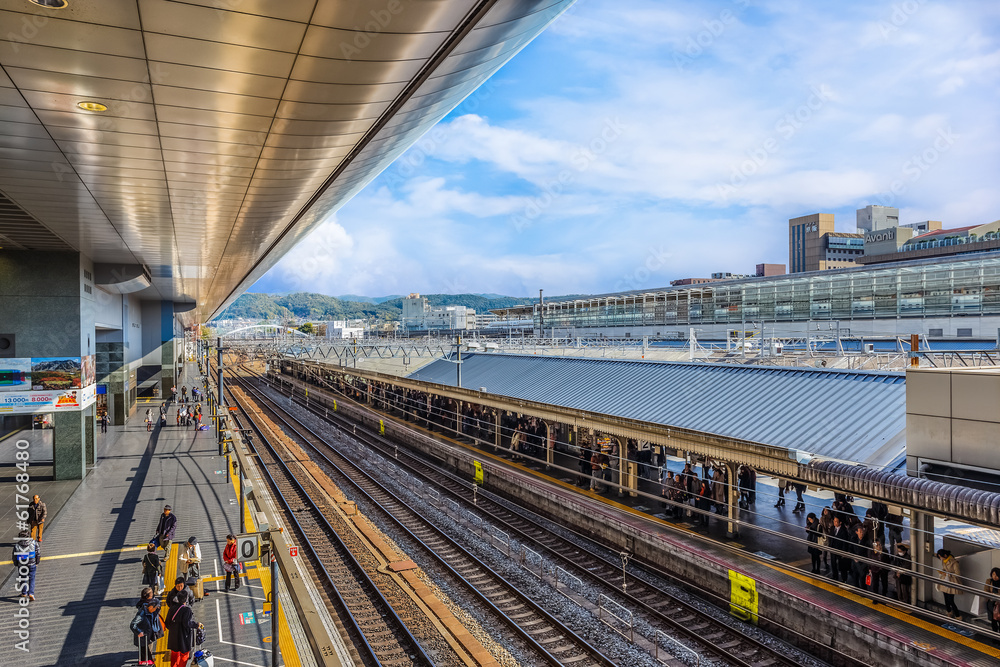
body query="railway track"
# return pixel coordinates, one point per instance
(658, 606)
(550, 639)
(374, 630)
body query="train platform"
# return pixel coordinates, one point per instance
(765, 555)
(89, 577)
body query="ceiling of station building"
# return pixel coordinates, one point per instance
(232, 128)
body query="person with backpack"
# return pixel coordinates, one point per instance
(181, 638)
(25, 556)
(147, 629)
(152, 569)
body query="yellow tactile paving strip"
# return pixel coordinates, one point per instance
(881, 608)
(289, 652)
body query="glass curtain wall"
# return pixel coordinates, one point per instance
(970, 287)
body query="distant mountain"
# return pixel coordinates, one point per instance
(320, 308)
(61, 365)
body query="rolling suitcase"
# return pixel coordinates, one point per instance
(197, 586)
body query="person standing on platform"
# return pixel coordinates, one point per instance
(229, 562)
(704, 502)
(880, 572)
(992, 589)
(152, 569)
(949, 574)
(178, 595)
(191, 558)
(25, 556)
(584, 464)
(104, 422)
(861, 546)
(165, 529)
(180, 640)
(666, 486)
(720, 489)
(598, 462)
(147, 629)
(903, 565)
(813, 533)
(839, 541)
(800, 504)
(149, 420)
(826, 526)
(37, 514)
(781, 494)
(173, 394)
(184, 394)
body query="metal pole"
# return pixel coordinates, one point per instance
(274, 612)
(458, 346)
(243, 502)
(218, 420)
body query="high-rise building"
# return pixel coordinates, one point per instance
(874, 217)
(814, 246)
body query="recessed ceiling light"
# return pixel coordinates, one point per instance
(50, 4)
(92, 106)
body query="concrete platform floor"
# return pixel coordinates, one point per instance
(90, 575)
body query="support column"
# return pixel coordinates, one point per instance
(68, 445)
(88, 420)
(922, 552)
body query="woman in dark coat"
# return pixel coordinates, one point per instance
(813, 532)
(180, 640)
(992, 589)
(704, 502)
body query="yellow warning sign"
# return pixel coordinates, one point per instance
(742, 596)
(381, 427)
(478, 477)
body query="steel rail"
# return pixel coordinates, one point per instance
(520, 598)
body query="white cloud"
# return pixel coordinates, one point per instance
(637, 143)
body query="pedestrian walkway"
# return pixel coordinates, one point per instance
(90, 575)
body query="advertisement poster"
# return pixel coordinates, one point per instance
(46, 384)
(88, 374)
(51, 373)
(15, 374)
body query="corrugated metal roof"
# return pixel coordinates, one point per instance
(847, 415)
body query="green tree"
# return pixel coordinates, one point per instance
(308, 328)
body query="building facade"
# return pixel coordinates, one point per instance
(903, 243)
(813, 245)
(952, 297)
(419, 315)
(874, 217)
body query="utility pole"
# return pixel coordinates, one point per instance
(219, 416)
(458, 346)
(541, 315)
(274, 611)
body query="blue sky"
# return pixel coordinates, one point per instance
(635, 143)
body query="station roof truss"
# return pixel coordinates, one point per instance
(854, 416)
(204, 139)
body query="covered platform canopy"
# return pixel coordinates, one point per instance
(855, 416)
(184, 147)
